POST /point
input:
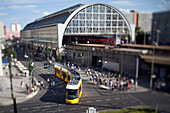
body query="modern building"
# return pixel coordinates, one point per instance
(142, 20)
(16, 27)
(77, 23)
(2, 32)
(14, 32)
(161, 28)
(2, 38)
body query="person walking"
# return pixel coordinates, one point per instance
(48, 81)
(53, 84)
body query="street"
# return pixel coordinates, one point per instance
(52, 99)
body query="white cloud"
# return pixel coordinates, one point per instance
(165, 4)
(13, 2)
(125, 10)
(35, 11)
(3, 14)
(46, 13)
(124, 3)
(18, 7)
(17, 2)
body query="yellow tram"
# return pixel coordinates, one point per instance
(74, 82)
(74, 90)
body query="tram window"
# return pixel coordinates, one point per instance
(57, 71)
(68, 77)
(80, 89)
(63, 74)
(71, 94)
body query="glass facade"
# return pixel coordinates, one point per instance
(97, 19)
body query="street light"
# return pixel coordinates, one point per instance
(88, 53)
(26, 56)
(158, 31)
(46, 65)
(12, 95)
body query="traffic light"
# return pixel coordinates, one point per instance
(46, 65)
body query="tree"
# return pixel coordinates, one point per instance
(139, 31)
(9, 52)
(47, 53)
(59, 58)
(31, 67)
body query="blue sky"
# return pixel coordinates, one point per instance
(25, 11)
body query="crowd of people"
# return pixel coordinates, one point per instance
(110, 79)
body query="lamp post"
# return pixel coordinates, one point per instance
(144, 41)
(64, 55)
(88, 53)
(12, 95)
(157, 40)
(26, 56)
(46, 65)
(152, 67)
(32, 64)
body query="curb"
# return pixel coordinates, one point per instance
(32, 94)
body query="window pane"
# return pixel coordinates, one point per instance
(89, 9)
(102, 16)
(102, 9)
(108, 10)
(95, 8)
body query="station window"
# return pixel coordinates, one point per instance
(102, 9)
(108, 16)
(95, 8)
(95, 16)
(89, 9)
(114, 23)
(108, 10)
(108, 23)
(102, 16)
(114, 16)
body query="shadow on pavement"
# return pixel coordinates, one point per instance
(54, 94)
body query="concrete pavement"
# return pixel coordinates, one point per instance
(19, 91)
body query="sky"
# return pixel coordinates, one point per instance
(25, 11)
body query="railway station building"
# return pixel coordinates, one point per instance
(78, 24)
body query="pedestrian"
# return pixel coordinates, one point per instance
(53, 84)
(22, 84)
(42, 83)
(106, 82)
(110, 84)
(48, 81)
(87, 73)
(6, 73)
(26, 85)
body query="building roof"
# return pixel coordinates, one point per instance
(54, 18)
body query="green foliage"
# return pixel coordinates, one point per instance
(47, 53)
(9, 52)
(15, 39)
(30, 68)
(59, 58)
(138, 31)
(38, 50)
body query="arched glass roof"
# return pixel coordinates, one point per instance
(97, 19)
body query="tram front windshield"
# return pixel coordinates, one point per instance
(71, 94)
